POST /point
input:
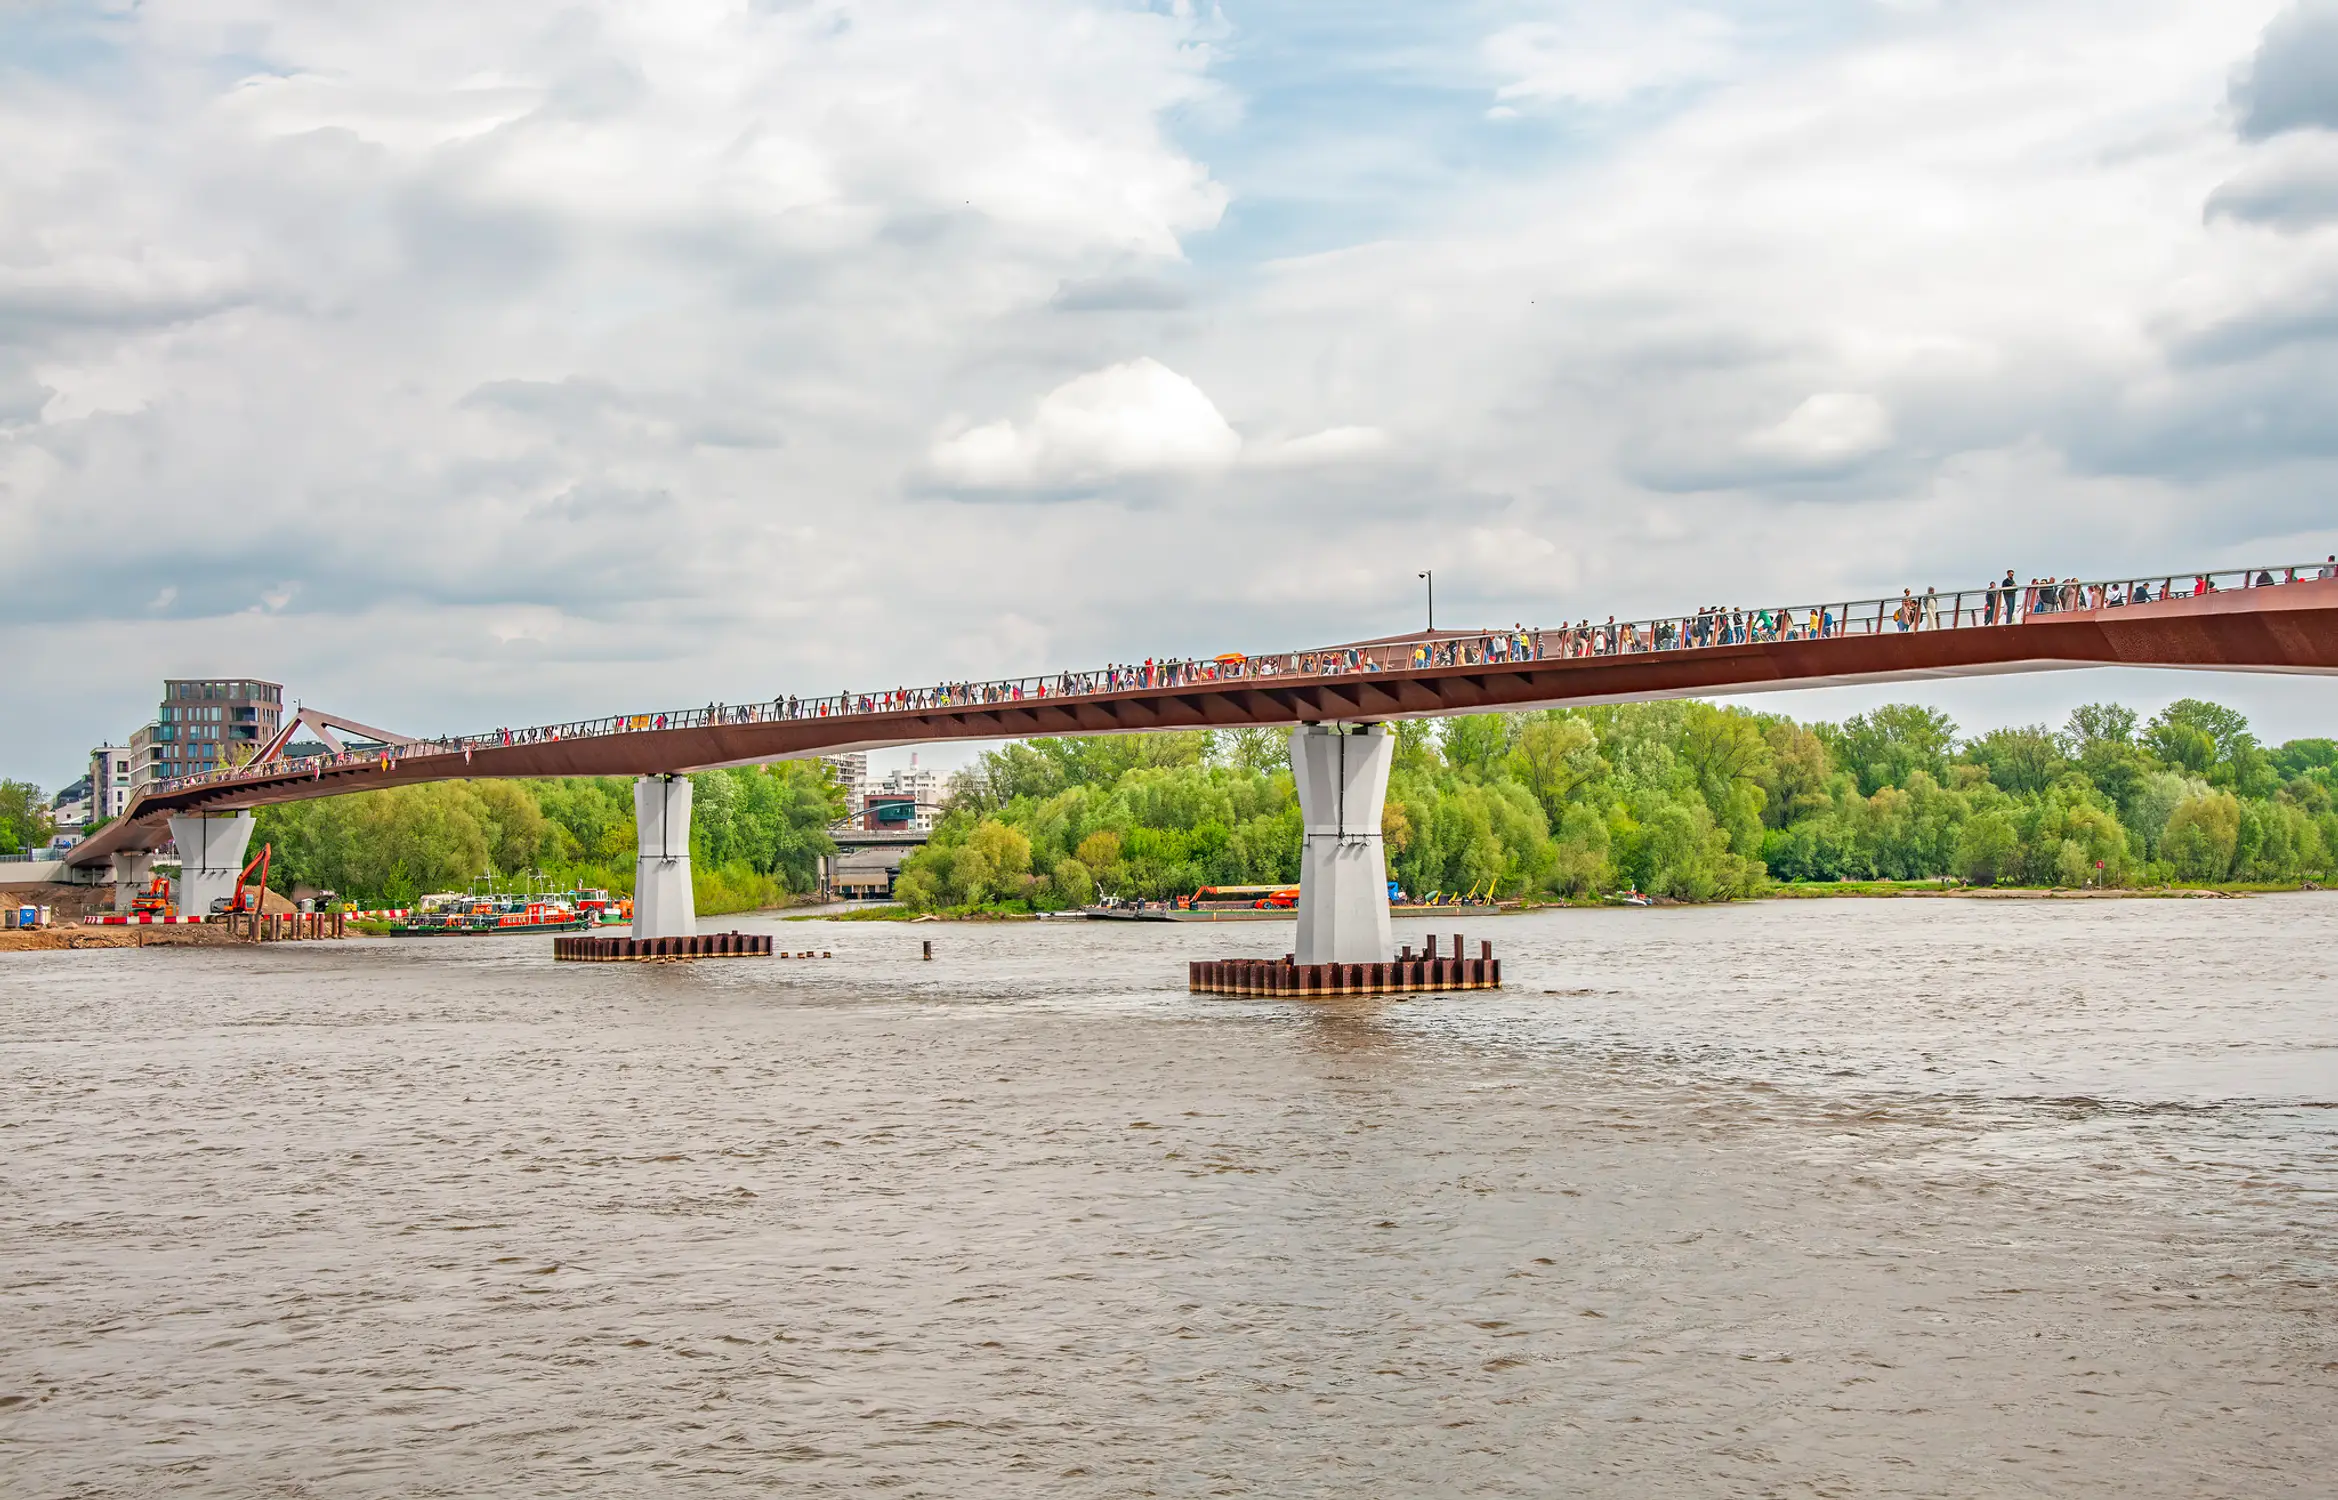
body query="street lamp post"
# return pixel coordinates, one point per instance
(1432, 579)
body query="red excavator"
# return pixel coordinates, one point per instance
(221, 906)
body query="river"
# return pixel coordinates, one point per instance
(1917, 1197)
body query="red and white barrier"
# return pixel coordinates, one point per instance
(138, 919)
(394, 914)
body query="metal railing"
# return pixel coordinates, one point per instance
(1992, 606)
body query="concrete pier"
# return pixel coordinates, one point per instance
(664, 906)
(212, 851)
(132, 870)
(1342, 778)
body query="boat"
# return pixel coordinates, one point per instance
(490, 914)
(598, 906)
(1111, 909)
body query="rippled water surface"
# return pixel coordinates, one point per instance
(1947, 1198)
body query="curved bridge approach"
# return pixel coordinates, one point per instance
(2263, 619)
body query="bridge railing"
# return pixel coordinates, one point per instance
(1991, 606)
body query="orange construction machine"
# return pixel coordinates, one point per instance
(154, 901)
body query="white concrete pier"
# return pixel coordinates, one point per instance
(133, 869)
(1342, 777)
(212, 850)
(663, 903)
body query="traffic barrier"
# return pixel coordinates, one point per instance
(139, 919)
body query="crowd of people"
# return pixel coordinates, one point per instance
(2006, 602)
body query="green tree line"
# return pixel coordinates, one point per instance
(756, 836)
(1686, 799)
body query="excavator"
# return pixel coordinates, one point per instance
(222, 906)
(155, 900)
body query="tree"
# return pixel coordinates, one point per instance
(1882, 747)
(2203, 835)
(1988, 848)
(2021, 761)
(1726, 756)
(1556, 754)
(2304, 757)
(1255, 748)
(2098, 724)
(2196, 735)
(1477, 744)
(1799, 771)
(25, 822)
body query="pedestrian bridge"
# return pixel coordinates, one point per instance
(2260, 620)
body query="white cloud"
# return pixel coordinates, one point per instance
(1829, 428)
(1603, 54)
(1137, 418)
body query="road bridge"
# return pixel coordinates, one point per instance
(1338, 700)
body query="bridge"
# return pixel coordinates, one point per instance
(1338, 700)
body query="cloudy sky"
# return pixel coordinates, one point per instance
(461, 365)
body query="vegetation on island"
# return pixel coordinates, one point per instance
(1691, 800)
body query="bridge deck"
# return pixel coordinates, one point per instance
(2292, 627)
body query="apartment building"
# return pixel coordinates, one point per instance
(205, 724)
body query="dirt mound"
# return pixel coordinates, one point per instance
(70, 903)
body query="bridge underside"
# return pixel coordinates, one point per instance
(2289, 629)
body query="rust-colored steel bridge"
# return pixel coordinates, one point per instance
(2257, 620)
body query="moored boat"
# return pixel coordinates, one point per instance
(490, 915)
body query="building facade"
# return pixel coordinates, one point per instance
(206, 724)
(109, 781)
(850, 770)
(72, 814)
(920, 788)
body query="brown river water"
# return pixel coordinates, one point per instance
(1944, 1198)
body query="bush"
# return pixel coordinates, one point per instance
(2202, 836)
(1987, 848)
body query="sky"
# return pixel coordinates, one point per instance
(462, 366)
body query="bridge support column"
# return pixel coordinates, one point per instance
(211, 856)
(1343, 869)
(663, 902)
(132, 869)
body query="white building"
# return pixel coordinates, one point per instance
(921, 785)
(71, 814)
(109, 781)
(850, 768)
